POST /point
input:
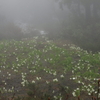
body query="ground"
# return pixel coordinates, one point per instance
(42, 68)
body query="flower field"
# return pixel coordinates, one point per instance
(41, 68)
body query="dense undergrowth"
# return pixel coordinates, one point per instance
(40, 69)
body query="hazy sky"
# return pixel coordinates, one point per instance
(25, 9)
(31, 12)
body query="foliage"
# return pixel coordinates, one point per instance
(86, 35)
(82, 27)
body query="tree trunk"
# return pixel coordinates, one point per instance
(95, 10)
(87, 12)
(79, 11)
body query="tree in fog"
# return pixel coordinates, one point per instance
(91, 7)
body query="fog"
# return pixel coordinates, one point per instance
(31, 12)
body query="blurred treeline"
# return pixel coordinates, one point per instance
(83, 25)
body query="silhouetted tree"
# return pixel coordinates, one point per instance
(91, 7)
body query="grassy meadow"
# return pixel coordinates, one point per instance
(41, 69)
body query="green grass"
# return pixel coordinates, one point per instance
(46, 69)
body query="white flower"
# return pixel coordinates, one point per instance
(55, 97)
(34, 71)
(45, 59)
(90, 86)
(5, 90)
(33, 81)
(5, 83)
(60, 98)
(47, 82)
(77, 89)
(73, 93)
(74, 78)
(62, 76)
(53, 91)
(79, 81)
(12, 87)
(16, 49)
(38, 78)
(55, 80)
(9, 74)
(23, 83)
(72, 71)
(25, 73)
(18, 65)
(30, 71)
(98, 95)
(17, 59)
(88, 89)
(95, 92)
(15, 70)
(82, 83)
(89, 93)
(51, 59)
(54, 73)
(79, 55)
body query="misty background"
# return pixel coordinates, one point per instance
(39, 14)
(76, 20)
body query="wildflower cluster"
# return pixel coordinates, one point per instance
(44, 62)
